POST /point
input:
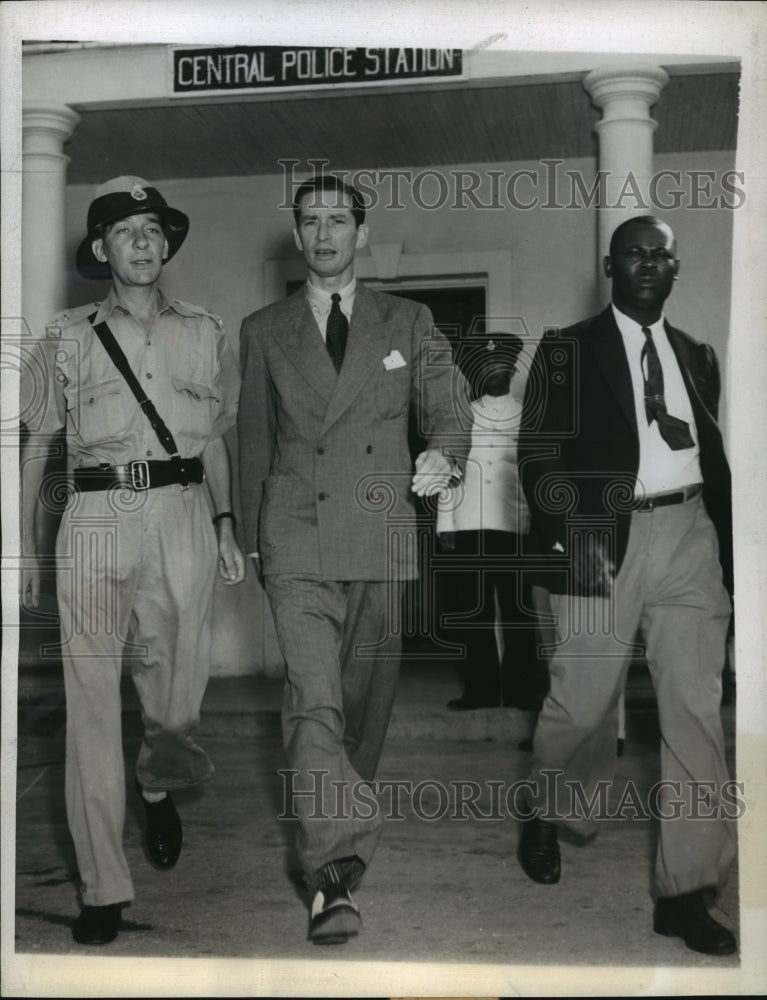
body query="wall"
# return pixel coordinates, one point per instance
(236, 226)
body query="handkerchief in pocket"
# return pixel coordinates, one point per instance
(394, 360)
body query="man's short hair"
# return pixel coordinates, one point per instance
(329, 182)
(635, 220)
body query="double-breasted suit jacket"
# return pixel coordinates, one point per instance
(579, 447)
(325, 465)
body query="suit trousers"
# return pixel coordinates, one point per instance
(135, 574)
(342, 663)
(669, 587)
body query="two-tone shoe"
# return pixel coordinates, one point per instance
(335, 917)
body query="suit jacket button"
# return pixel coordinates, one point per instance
(369, 449)
(320, 451)
(320, 496)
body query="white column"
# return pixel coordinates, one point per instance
(45, 129)
(625, 94)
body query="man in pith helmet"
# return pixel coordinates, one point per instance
(144, 387)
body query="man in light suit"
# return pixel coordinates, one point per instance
(331, 376)
(624, 469)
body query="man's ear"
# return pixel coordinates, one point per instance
(297, 238)
(165, 250)
(608, 267)
(362, 236)
(98, 251)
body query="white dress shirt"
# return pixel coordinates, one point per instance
(661, 469)
(320, 302)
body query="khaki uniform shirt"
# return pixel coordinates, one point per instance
(184, 364)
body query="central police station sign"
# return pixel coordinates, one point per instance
(247, 67)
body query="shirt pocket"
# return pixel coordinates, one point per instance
(194, 406)
(98, 412)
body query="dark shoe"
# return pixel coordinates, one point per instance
(335, 916)
(164, 834)
(465, 704)
(619, 747)
(538, 851)
(526, 746)
(688, 918)
(97, 924)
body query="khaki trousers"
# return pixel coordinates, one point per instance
(135, 576)
(670, 587)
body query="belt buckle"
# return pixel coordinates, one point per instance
(139, 475)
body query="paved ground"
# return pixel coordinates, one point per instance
(446, 909)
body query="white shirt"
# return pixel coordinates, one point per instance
(661, 469)
(320, 302)
(489, 497)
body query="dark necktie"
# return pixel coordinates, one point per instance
(336, 331)
(675, 432)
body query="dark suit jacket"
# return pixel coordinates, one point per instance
(325, 467)
(579, 446)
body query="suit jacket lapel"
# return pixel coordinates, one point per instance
(300, 339)
(366, 346)
(605, 341)
(691, 373)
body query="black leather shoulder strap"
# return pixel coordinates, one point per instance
(115, 352)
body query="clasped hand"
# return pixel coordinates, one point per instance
(433, 472)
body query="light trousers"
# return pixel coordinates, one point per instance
(670, 587)
(135, 575)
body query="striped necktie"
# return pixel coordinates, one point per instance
(675, 432)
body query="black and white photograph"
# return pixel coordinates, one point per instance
(383, 486)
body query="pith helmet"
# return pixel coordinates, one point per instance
(117, 199)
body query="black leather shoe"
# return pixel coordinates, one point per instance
(164, 834)
(97, 924)
(466, 704)
(335, 916)
(538, 851)
(687, 917)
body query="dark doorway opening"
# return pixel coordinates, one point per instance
(459, 312)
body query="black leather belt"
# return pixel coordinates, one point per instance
(666, 499)
(139, 475)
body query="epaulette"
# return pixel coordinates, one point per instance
(67, 318)
(193, 310)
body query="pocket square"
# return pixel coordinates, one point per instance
(394, 360)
